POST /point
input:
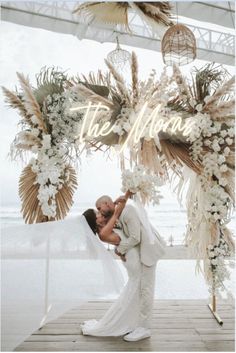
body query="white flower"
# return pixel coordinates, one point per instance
(231, 132)
(34, 119)
(199, 107)
(223, 133)
(229, 141)
(35, 132)
(46, 141)
(214, 262)
(223, 181)
(117, 129)
(226, 151)
(221, 159)
(223, 168)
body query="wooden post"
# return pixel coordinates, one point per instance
(212, 306)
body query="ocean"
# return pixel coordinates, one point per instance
(175, 279)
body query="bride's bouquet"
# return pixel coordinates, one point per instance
(140, 181)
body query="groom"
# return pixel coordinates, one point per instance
(149, 254)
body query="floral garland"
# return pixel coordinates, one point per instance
(49, 131)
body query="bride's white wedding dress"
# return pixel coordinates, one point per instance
(124, 314)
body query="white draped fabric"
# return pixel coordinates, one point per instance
(47, 269)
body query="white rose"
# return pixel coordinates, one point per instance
(226, 151)
(214, 262)
(229, 141)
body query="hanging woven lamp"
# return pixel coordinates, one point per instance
(178, 45)
(119, 57)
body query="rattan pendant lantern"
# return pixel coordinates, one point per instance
(119, 57)
(178, 45)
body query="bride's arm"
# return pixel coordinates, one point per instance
(106, 233)
(111, 238)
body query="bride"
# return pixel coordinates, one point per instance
(131, 313)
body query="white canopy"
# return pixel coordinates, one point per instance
(211, 22)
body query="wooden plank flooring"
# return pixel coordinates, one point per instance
(178, 325)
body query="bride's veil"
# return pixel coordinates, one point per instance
(48, 268)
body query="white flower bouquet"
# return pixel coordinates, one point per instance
(141, 181)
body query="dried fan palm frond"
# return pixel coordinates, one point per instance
(155, 12)
(28, 192)
(105, 12)
(179, 152)
(114, 13)
(149, 157)
(92, 96)
(15, 102)
(30, 101)
(50, 80)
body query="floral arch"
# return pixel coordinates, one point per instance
(170, 126)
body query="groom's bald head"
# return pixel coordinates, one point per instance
(105, 205)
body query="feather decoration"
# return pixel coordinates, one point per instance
(222, 110)
(134, 72)
(15, 102)
(223, 90)
(30, 101)
(119, 82)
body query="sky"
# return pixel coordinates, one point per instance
(27, 50)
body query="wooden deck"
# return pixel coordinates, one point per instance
(178, 325)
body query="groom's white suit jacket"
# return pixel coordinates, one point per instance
(137, 235)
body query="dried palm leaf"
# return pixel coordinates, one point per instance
(104, 12)
(30, 101)
(154, 13)
(92, 96)
(114, 13)
(28, 192)
(149, 157)
(179, 152)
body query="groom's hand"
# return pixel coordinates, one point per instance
(120, 255)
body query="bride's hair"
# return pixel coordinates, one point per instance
(90, 216)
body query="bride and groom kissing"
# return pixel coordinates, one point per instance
(139, 246)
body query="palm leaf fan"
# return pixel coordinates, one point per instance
(179, 152)
(104, 12)
(117, 12)
(28, 192)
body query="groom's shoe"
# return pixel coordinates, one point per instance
(138, 334)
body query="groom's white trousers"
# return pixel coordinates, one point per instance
(147, 288)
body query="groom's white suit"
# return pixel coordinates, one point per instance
(137, 236)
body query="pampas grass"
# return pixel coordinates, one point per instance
(30, 101)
